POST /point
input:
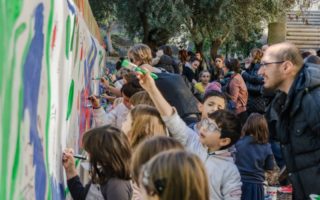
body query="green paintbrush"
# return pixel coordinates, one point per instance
(133, 67)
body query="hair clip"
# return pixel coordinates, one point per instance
(160, 185)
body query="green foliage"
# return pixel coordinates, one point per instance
(104, 11)
(205, 21)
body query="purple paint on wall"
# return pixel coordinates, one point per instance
(31, 83)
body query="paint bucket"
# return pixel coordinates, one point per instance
(271, 193)
(285, 193)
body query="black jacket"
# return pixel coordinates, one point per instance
(298, 130)
(175, 91)
(254, 83)
(114, 188)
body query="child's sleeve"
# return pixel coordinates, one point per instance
(101, 118)
(231, 186)
(76, 188)
(269, 163)
(179, 130)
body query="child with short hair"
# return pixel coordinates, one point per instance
(212, 101)
(218, 132)
(182, 177)
(254, 156)
(109, 156)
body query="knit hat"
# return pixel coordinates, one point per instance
(213, 86)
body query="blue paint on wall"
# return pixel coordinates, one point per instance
(57, 189)
(71, 8)
(31, 82)
(89, 64)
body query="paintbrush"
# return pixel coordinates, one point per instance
(81, 157)
(127, 64)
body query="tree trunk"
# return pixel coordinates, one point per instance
(199, 46)
(145, 26)
(215, 44)
(109, 43)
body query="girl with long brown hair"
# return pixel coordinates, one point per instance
(182, 177)
(144, 152)
(109, 155)
(142, 122)
(254, 156)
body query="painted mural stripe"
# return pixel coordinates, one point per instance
(7, 119)
(10, 11)
(16, 159)
(67, 37)
(31, 81)
(47, 53)
(54, 37)
(70, 99)
(71, 8)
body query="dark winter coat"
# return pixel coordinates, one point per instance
(254, 82)
(298, 130)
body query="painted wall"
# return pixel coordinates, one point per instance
(47, 60)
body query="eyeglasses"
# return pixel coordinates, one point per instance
(264, 64)
(208, 125)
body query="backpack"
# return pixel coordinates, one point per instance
(231, 105)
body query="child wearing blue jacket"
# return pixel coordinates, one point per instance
(254, 156)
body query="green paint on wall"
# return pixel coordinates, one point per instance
(70, 99)
(68, 36)
(16, 161)
(100, 58)
(47, 53)
(9, 13)
(6, 118)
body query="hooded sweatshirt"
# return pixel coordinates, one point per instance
(223, 175)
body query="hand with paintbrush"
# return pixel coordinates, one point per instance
(69, 164)
(127, 64)
(110, 88)
(95, 101)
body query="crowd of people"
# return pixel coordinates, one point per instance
(203, 130)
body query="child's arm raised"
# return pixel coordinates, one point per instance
(178, 129)
(149, 85)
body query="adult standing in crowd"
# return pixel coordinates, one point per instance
(298, 112)
(254, 82)
(236, 88)
(172, 86)
(217, 70)
(167, 50)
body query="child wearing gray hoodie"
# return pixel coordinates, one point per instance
(214, 143)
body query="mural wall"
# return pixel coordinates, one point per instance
(47, 60)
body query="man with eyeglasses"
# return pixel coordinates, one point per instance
(296, 109)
